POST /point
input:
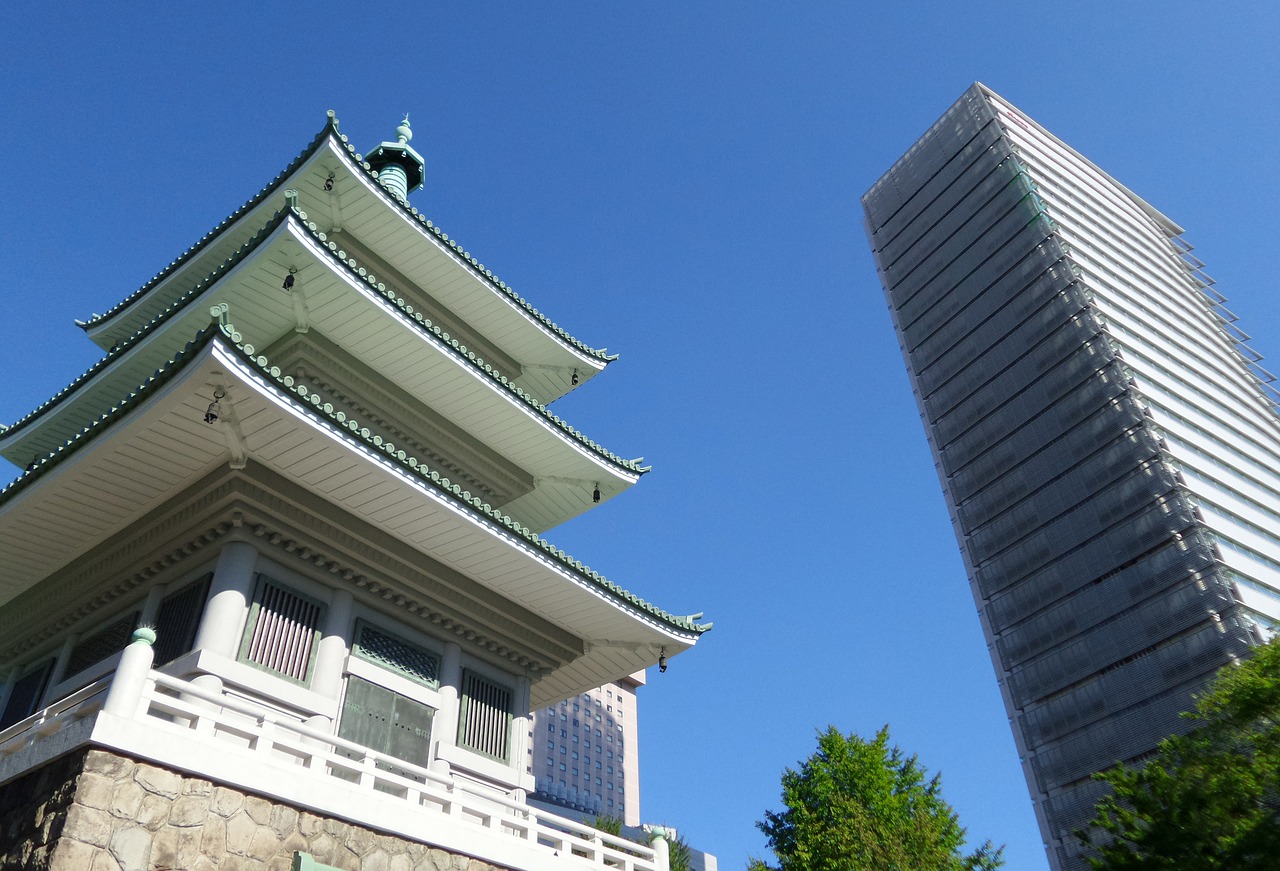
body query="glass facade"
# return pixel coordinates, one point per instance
(1105, 444)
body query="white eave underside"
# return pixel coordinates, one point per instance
(351, 314)
(368, 212)
(164, 446)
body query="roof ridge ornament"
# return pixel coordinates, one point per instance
(399, 168)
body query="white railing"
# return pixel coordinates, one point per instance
(221, 737)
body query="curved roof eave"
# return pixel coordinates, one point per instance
(99, 320)
(356, 164)
(298, 220)
(121, 349)
(461, 352)
(349, 429)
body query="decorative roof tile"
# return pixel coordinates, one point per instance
(314, 405)
(119, 349)
(357, 163)
(349, 264)
(461, 351)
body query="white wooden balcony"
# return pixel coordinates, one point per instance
(149, 715)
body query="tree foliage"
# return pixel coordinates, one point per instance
(1209, 799)
(857, 804)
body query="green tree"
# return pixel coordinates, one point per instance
(857, 804)
(1209, 799)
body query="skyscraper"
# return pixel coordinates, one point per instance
(1106, 441)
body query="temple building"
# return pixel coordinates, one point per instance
(275, 584)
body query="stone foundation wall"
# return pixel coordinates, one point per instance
(33, 809)
(96, 811)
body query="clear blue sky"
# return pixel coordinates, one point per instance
(679, 183)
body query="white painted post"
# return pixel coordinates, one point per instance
(228, 603)
(661, 849)
(125, 695)
(331, 653)
(445, 727)
(520, 731)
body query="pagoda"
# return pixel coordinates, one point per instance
(275, 589)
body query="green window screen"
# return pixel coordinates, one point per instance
(485, 720)
(178, 619)
(283, 631)
(403, 657)
(98, 646)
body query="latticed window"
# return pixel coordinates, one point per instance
(177, 620)
(26, 694)
(283, 630)
(101, 644)
(485, 722)
(403, 657)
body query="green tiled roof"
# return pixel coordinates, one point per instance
(329, 128)
(41, 465)
(461, 351)
(303, 397)
(177, 305)
(357, 163)
(452, 345)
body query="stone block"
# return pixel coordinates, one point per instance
(324, 847)
(126, 800)
(158, 781)
(95, 790)
(71, 855)
(284, 820)
(131, 847)
(265, 843)
(175, 847)
(259, 809)
(88, 824)
(375, 860)
(153, 812)
(109, 765)
(190, 810)
(226, 802)
(213, 838)
(295, 843)
(240, 831)
(309, 824)
(359, 841)
(104, 861)
(164, 849)
(195, 786)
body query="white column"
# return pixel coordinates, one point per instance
(224, 612)
(125, 693)
(331, 653)
(445, 725)
(520, 731)
(229, 596)
(151, 607)
(661, 847)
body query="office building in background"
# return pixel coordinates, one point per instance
(1107, 443)
(584, 752)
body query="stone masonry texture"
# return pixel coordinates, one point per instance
(96, 811)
